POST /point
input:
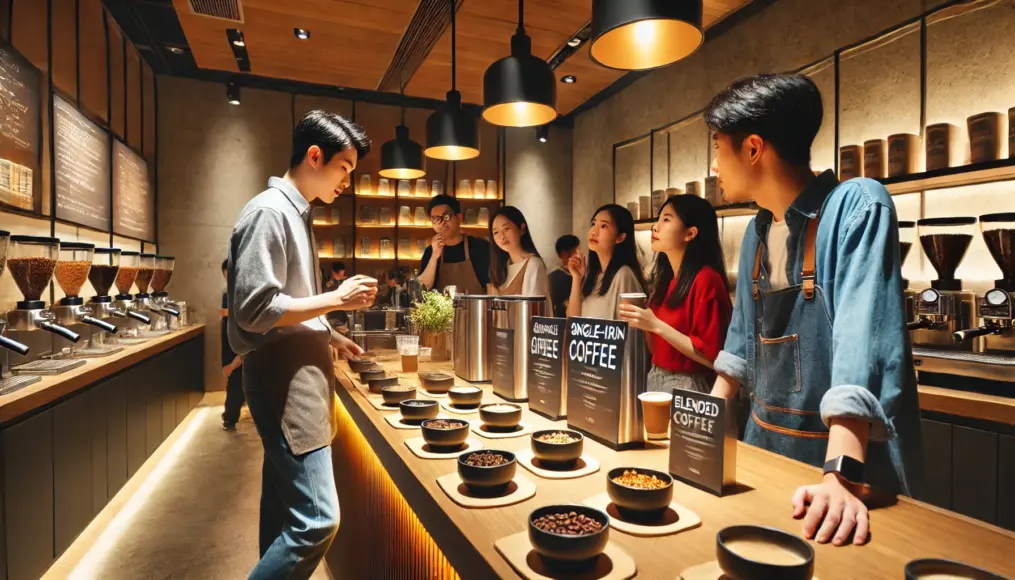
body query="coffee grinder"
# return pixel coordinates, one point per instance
(105, 267)
(995, 307)
(143, 301)
(72, 270)
(130, 263)
(945, 308)
(907, 234)
(9, 382)
(32, 261)
(168, 309)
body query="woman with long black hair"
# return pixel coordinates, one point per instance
(612, 267)
(689, 305)
(515, 266)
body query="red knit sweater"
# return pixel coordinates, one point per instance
(704, 316)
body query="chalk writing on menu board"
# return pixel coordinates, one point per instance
(595, 369)
(546, 366)
(133, 204)
(82, 167)
(20, 85)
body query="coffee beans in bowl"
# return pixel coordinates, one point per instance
(374, 373)
(376, 385)
(418, 409)
(445, 433)
(638, 492)
(396, 394)
(502, 416)
(570, 534)
(487, 470)
(557, 447)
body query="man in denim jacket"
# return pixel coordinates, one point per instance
(818, 334)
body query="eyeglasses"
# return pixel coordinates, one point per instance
(443, 218)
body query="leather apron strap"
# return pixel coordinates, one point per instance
(808, 272)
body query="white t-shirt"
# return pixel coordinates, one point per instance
(535, 281)
(778, 253)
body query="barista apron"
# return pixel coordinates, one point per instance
(792, 348)
(517, 283)
(461, 275)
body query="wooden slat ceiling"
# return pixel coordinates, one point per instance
(353, 42)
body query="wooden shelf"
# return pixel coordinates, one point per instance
(987, 172)
(414, 227)
(731, 210)
(375, 226)
(480, 199)
(475, 226)
(327, 225)
(375, 259)
(333, 258)
(375, 196)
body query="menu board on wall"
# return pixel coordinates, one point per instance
(20, 130)
(546, 366)
(133, 202)
(595, 369)
(82, 167)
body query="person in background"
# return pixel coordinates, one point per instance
(818, 332)
(276, 321)
(560, 277)
(453, 258)
(689, 300)
(231, 363)
(612, 267)
(515, 266)
(396, 295)
(337, 276)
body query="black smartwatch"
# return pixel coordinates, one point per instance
(846, 468)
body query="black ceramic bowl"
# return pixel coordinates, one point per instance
(480, 477)
(359, 365)
(368, 374)
(918, 569)
(646, 503)
(418, 409)
(435, 382)
(377, 385)
(741, 567)
(569, 549)
(498, 420)
(465, 396)
(452, 438)
(558, 454)
(396, 394)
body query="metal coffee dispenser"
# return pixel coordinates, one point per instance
(996, 308)
(907, 234)
(472, 337)
(945, 307)
(510, 316)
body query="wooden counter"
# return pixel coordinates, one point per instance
(901, 532)
(53, 388)
(968, 404)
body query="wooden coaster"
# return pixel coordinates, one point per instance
(612, 564)
(447, 406)
(378, 403)
(586, 465)
(427, 393)
(481, 429)
(420, 448)
(706, 571)
(520, 489)
(675, 519)
(395, 420)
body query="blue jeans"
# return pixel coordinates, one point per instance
(299, 501)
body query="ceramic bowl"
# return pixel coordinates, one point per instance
(452, 438)
(934, 568)
(740, 567)
(368, 374)
(571, 550)
(359, 365)
(437, 383)
(475, 476)
(418, 409)
(499, 420)
(558, 454)
(396, 394)
(465, 396)
(646, 503)
(376, 385)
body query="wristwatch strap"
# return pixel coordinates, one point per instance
(846, 467)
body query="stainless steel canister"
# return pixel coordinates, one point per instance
(635, 378)
(509, 344)
(472, 337)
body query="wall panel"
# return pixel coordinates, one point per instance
(117, 88)
(133, 97)
(65, 47)
(94, 77)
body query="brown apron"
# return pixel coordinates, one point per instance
(461, 275)
(514, 288)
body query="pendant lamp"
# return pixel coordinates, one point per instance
(644, 34)
(520, 90)
(452, 134)
(402, 158)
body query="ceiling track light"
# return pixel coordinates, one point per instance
(301, 33)
(569, 79)
(452, 134)
(233, 93)
(520, 90)
(644, 34)
(543, 133)
(402, 158)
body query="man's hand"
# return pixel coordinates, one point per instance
(641, 318)
(576, 266)
(342, 347)
(437, 243)
(356, 292)
(831, 511)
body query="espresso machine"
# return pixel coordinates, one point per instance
(126, 276)
(945, 308)
(72, 270)
(31, 261)
(907, 234)
(167, 310)
(995, 308)
(9, 382)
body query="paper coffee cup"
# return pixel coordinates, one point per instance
(655, 408)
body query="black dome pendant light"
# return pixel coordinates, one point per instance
(644, 34)
(452, 134)
(402, 158)
(520, 90)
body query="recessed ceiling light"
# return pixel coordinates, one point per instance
(301, 33)
(239, 42)
(174, 49)
(233, 93)
(543, 133)
(569, 79)
(574, 42)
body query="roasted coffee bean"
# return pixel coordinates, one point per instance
(569, 524)
(71, 276)
(102, 277)
(125, 278)
(486, 459)
(144, 277)
(442, 424)
(32, 275)
(632, 478)
(558, 437)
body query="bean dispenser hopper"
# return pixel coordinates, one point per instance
(995, 308)
(126, 275)
(72, 270)
(32, 261)
(169, 310)
(9, 382)
(945, 307)
(143, 301)
(907, 235)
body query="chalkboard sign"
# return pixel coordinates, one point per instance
(502, 358)
(703, 441)
(82, 167)
(133, 203)
(546, 366)
(595, 367)
(20, 131)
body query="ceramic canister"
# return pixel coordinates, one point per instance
(849, 162)
(875, 161)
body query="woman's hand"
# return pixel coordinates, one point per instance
(356, 292)
(344, 347)
(576, 266)
(640, 318)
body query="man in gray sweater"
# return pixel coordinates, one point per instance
(276, 322)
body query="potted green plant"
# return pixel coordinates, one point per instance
(432, 318)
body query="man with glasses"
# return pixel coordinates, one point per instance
(454, 259)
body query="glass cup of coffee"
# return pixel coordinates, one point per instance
(408, 348)
(655, 407)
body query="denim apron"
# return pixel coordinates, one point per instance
(792, 348)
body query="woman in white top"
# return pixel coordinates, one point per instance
(515, 266)
(612, 268)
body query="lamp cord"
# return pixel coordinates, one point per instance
(521, 16)
(453, 51)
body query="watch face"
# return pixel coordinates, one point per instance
(929, 295)
(996, 297)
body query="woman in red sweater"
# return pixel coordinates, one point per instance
(689, 310)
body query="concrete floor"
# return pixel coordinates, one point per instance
(190, 512)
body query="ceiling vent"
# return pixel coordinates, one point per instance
(222, 9)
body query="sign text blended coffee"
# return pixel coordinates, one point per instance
(546, 367)
(703, 441)
(595, 366)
